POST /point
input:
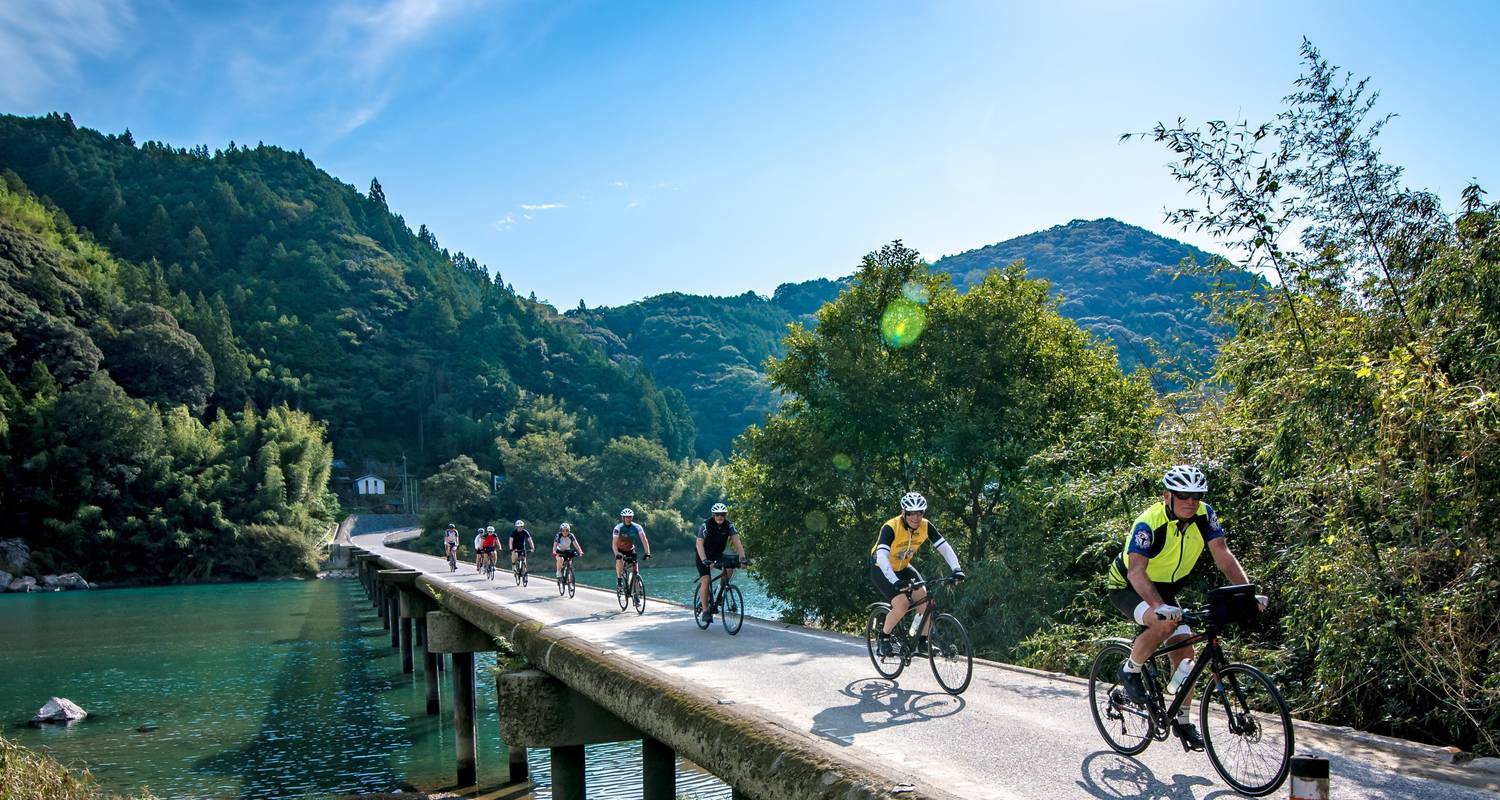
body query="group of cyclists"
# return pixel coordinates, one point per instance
(715, 535)
(1155, 561)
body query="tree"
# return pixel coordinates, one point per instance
(973, 399)
(377, 194)
(460, 488)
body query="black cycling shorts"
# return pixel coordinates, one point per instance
(1128, 599)
(887, 589)
(567, 554)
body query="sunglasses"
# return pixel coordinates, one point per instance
(915, 513)
(1187, 495)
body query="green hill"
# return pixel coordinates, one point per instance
(316, 295)
(1119, 281)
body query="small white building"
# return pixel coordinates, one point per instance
(369, 484)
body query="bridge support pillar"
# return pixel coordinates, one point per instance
(567, 772)
(414, 607)
(520, 771)
(430, 662)
(658, 770)
(398, 582)
(447, 633)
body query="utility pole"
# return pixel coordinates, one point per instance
(405, 487)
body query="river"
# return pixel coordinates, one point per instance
(267, 690)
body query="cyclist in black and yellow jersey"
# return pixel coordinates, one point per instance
(1159, 554)
(890, 564)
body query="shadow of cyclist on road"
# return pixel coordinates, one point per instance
(881, 704)
(1110, 776)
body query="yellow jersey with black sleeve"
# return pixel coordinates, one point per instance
(1172, 546)
(901, 542)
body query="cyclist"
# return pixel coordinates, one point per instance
(479, 549)
(565, 545)
(490, 545)
(890, 565)
(1159, 553)
(623, 542)
(450, 541)
(520, 542)
(713, 535)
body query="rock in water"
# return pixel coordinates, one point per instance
(67, 580)
(23, 584)
(59, 709)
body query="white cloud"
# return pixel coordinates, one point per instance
(541, 206)
(364, 114)
(505, 223)
(42, 42)
(620, 184)
(632, 204)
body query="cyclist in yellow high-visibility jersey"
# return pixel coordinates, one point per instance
(890, 564)
(1159, 554)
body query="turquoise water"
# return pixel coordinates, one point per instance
(263, 690)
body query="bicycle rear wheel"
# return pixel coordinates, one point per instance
(1247, 730)
(638, 593)
(1124, 726)
(888, 666)
(732, 609)
(951, 655)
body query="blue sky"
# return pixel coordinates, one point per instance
(610, 151)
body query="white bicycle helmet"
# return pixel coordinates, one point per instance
(520, 523)
(565, 527)
(913, 501)
(489, 529)
(719, 508)
(625, 512)
(1185, 478)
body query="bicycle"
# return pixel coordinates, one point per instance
(452, 558)
(728, 602)
(489, 565)
(948, 650)
(631, 589)
(566, 583)
(518, 570)
(1250, 718)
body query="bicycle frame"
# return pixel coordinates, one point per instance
(1212, 657)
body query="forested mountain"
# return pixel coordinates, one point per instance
(1118, 281)
(713, 350)
(105, 464)
(305, 291)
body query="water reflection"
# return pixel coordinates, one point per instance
(256, 691)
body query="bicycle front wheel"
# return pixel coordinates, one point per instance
(889, 666)
(622, 591)
(572, 584)
(1247, 730)
(562, 582)
(638, 594)
(732, 609)
(1124, 726)
(951, 655)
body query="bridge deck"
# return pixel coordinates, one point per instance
(1016, 735)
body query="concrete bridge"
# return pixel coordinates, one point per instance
(783, 712)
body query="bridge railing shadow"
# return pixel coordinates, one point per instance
(881, 704)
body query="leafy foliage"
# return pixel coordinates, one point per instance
(1351, 431)
(121, 479)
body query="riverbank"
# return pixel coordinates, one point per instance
(27, 774)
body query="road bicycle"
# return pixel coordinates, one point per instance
(452, 558)
(728, 602)
(631, 590)
(1247, 729)
(947, 648)
(489, 565)
(565, 581)
(519, 571)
